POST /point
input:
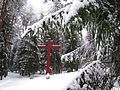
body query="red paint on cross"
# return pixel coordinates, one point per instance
(49, 46)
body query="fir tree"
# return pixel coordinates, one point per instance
(26, 59)
(3, 58)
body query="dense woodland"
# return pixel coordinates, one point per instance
(19, 52)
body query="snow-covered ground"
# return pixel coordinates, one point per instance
(39, 82)
(56, 82)
(115, 88)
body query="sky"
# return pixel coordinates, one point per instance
(36, 4)
(40, 7)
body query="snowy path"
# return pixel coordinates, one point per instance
(56, 82)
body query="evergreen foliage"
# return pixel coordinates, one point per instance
(26, 58)
(101, 23)
(3, 58)
(95, 77)
(104, 30)
(100, 19)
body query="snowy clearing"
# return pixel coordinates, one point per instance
(56, 82)
(39, 82)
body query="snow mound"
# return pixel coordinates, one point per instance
(56, 82)
(92, 77)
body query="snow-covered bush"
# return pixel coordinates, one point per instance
(95, 76)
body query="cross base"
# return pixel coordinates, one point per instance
(48, 76)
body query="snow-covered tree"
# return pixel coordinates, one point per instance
(8, 10)
(95, 76)
(3, 58)
(99, 20)
(25, 57)
(116, 34)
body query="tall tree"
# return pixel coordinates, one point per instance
(7, 15)
(4, 25)
(25, 57)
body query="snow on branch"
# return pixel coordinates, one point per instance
(93, 77)
(75, 54)
(59, 15)
(63, 15)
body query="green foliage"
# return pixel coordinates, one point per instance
(25, 57)
(93, 77)
(70, 36)
(3, 58)
(100, 20)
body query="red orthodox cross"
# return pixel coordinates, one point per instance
(49, 46)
